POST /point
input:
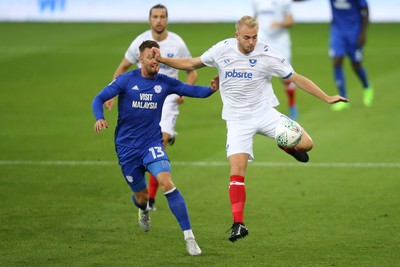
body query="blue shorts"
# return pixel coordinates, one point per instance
(135, 162)
(341, 44)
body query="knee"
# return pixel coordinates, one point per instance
(306, 143)
(165, 181)
(237, 170)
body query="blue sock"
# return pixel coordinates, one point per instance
(177, 205)
(340, 81)
(362, 75)
(142, 207)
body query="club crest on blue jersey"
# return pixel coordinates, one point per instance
(252, 62)
(157, 89)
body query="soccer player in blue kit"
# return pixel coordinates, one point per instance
(348, 30)
(138, 137)
(348, 34)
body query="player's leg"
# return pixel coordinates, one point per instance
(140, 199)
(162, 170)
(356, 62)
(290, 89)
(153, 186)
(268, 126)
(337, 51)
(237, 194)
(167, 124)
(299, 152)
(134, 176)
(339, 77)
(239, 149)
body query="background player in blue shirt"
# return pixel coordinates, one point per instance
(350, 19)
(138, 138)
(348, 30)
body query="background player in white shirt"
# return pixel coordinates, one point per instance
(245, 69)
(173, 46)
(275, 18)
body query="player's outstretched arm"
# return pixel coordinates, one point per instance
(313, 89)
(178, 63)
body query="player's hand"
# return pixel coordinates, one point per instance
(215, 83)
(109, 104)
(100, 125)
(156, 53)
(180, 100)
(336, 98)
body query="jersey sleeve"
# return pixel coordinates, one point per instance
(279, 66)
(208, 57)
(132, 54)
(183, 49)
(183, 89)
(108, 92)
(287, 7)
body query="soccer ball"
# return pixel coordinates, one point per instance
(288, 133)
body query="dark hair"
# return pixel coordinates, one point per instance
(159, 6)
(148, 44)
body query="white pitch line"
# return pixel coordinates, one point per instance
(207, 163)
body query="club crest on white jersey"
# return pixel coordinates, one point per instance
(252, 62)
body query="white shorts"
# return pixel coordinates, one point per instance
(169, 115)
(240, 134)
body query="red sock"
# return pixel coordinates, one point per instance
(237, 195)
(290, 92)
(153, 186)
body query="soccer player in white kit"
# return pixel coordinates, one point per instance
(246, 67)
(275, 18)
(172, 46)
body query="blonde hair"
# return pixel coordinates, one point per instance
(249, 21)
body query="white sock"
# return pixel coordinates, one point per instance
(188, 234)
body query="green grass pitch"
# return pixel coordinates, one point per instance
(64, 201)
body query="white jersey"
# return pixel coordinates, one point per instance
(268, 12)
(245, 79)
(172, 47)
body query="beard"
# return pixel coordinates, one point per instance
(159, 30)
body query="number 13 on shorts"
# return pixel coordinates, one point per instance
(157, 152)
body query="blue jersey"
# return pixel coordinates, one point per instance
(346, 16)
(140, 102)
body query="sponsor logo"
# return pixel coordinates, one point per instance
(238, 74)
(135, 88)
(145, 102)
